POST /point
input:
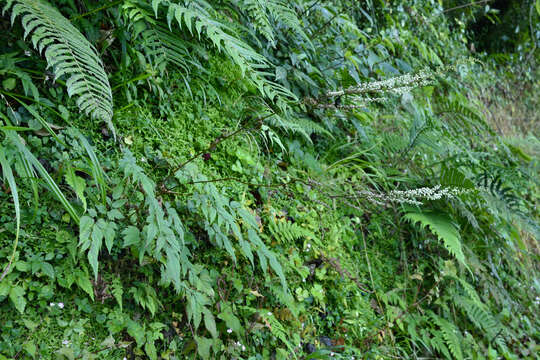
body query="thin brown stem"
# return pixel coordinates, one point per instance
(218, 140)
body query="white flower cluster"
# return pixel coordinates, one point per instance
(398, 84)
(413, 196)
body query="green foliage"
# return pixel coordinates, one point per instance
(442, 226)
(278, 183)
(68, 53)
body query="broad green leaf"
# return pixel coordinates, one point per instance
(47, 269)
(77, 184)
(150, 350)
(230, 319)
(131, 236)
(210, 322)
(85, 229)
(95, 247)
(30, 348)
(82, 281)
(4, 288)
(203, 346)
(16, 295)
(109, 232)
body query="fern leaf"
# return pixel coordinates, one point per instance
(449, 333)
(442, 226)
(287, 231)
(200, 19)
(257, 11)
(283, 13)
(455, 178)
(68, 53)
(160, 46)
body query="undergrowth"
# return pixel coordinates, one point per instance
(266, 180)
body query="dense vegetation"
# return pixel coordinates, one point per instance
(247, 179)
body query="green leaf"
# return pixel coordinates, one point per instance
(131, 236)
(136, 331)
(8, 174)
(16, 295)
(95, 247)
(150, 350)
(85, 229)
(77, 184)
(442, 226)
(4, 288)
(203, 346)
(82, 281)
(47, 269)
(230, 319)
(210, 322)
(30, 348)
(65, 353)
(9, 84)
(109, 233)
(31, 159)
(115, 214)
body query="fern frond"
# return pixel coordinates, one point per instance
(283, 13)
(467, 116)
(257, 11)
(455, 178)
(299, 125)
(482, 319)
(288, 231)
(200, 19)
(449, 333)
(442, 226)
(68, 53)
(160, 46)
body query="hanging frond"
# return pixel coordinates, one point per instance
(200, 19)
(261, 12)
(449, 333)
(160, 46)
(283, 13)
(68, 53)
(442, 226)
(257, 12)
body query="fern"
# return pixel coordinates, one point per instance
(261, 10)
(283, 13)
(442, 226)
(68, 53)
(199, 18)
(160, 46)
(455, 178)
(288, 231)
(469, 117)
(482, 319)
(257, 11)
(298, 124)
(450, 335)
(278, 330)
